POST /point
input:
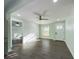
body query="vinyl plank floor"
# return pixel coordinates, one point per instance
(42, 49)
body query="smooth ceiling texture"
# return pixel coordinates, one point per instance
(59, 10)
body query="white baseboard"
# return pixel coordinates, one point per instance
(69, 48)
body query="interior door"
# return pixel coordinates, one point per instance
(59, 31)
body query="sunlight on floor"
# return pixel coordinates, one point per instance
(29, 38)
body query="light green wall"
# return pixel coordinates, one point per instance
(30, 27)
(9, 34)
(5, 36)
(69, 34)
(51, 30)
(39, 31)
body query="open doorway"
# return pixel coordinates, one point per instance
(44, 31)
(17, 31)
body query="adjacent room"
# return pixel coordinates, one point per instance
(39, 29)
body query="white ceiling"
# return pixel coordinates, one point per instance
(12, 5)
(59, 10)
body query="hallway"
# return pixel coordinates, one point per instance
(42, 49)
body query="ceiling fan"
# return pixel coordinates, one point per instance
(41, 16)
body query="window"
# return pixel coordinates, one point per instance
(59, 27)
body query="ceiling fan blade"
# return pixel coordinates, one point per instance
(44, 19)
(37, 13)
(39, 17)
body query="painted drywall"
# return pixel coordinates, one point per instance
(9, 34)
(52, 30)
(30, 31)
(30, 27)
(69, 34)
(5, 36)
(69, 31)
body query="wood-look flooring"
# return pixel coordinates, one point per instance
(42, 49)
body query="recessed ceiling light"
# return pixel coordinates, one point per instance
(18, 15)
(55, 1)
